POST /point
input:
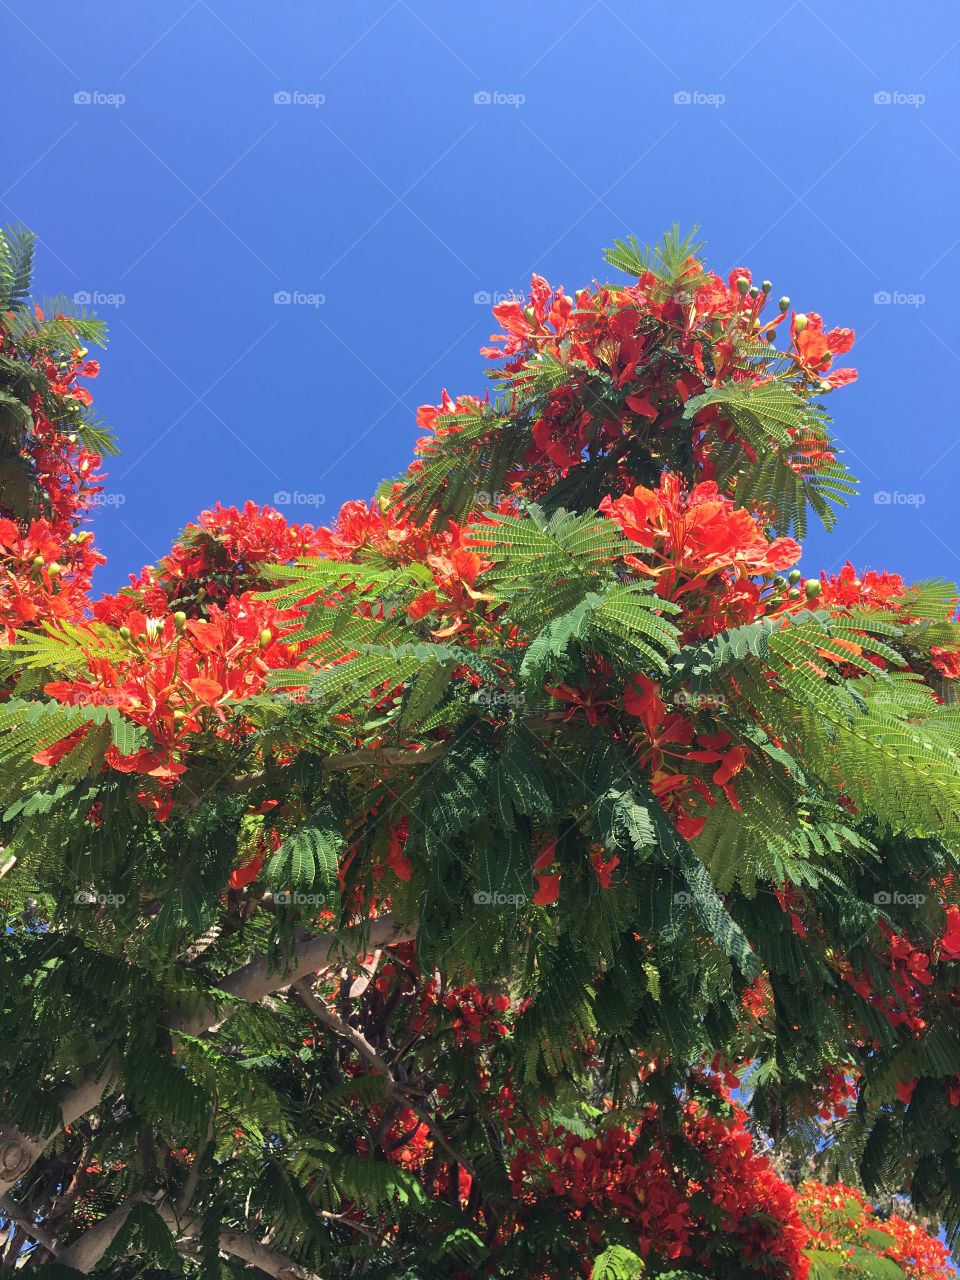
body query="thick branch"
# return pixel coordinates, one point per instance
(15, 1213)
(20, 1151)
(263, 1256)
(238, 1245)
(86, 1251)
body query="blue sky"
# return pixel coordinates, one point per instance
(187, 162)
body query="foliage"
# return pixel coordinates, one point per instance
(484, 885)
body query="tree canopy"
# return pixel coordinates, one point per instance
(529, 875)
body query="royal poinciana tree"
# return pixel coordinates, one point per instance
(530, 875)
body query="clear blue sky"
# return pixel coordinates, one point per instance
(399, 198)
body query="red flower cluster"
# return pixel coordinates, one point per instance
(840, 1218)
(701, 551)
(46, 562)
(735, 1198)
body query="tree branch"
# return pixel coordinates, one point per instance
(238, 1245)
(366, 1049)
(86, 1251)
(16, 1213)
(20, 1151)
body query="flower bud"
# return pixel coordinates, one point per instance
(754, 291)
(265, 637)
(124, 633)
(743, 284)
(780, 581)
(180, 619)
(794, 576)
(54, 569)
(800, 323)
(766, 286)
(812, 588)
(784, 303)
(38, 562)
(530, 314)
